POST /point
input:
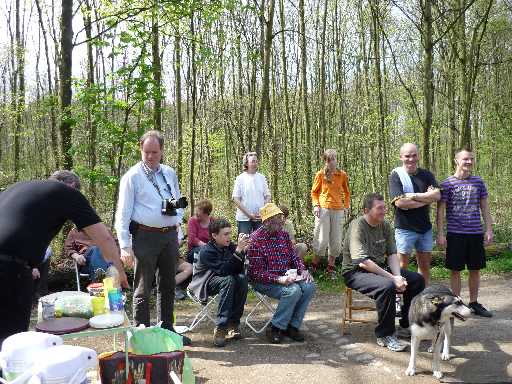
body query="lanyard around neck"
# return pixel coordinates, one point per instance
(151, 176)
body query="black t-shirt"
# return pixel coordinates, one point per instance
(33, 212)
(416, 219)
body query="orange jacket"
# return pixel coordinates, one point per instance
(334, 194)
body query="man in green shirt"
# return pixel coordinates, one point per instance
(371, 266)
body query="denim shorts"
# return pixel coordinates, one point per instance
(407, 240)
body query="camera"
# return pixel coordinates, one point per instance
(169, 206)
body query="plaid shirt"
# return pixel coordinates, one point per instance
(271, 255)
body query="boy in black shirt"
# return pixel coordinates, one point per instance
(220, 269)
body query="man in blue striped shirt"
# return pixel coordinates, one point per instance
(463, 197)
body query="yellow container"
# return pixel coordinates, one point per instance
(98, 305)
(108, 284)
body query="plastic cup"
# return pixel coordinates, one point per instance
(292, 273)
(108, 284)
(98, 305)
(115, 300)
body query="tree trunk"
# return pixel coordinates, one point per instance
(179, 113)
(305, 105)
(157, 68)
(19, 78)
(378, 78)
(428, 78)
(323, 123)
(194, 113)
(91, 124)
(54, 140)
(470, 69)
(265, 87)
(66, 62)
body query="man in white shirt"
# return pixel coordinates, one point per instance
(250, 193)
(149, 212)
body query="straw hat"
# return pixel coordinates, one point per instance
(269, 210)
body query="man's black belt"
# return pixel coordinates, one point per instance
(14, 259)
(146, 228)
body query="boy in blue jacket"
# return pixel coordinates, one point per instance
(220, 270)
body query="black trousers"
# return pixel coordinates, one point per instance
(383, 291)
(155, 252)
(232, 292)
(16, 288)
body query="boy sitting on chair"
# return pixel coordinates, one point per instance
(220, 270)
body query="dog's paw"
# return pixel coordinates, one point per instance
(430, 349)
(437, 374)
(410, 371)
(445, 356)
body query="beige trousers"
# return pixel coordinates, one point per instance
(328, 232)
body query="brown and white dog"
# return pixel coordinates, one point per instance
(431, 318)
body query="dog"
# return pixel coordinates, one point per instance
(431, 318)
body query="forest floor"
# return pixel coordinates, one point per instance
(481, 352)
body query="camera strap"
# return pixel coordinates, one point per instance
(151, 176)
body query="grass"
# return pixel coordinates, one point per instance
(326, 284)
(501, 263)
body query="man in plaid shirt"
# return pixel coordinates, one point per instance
(275, 270)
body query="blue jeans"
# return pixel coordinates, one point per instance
(232, 290)
(406, 240)
(248, 226)
(293, 302)
(94, 260)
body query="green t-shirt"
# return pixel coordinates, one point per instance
(363, 241)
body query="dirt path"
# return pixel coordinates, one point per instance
(482, 349)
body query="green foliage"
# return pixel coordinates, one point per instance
(496, 264)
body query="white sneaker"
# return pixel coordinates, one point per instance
(392, 343)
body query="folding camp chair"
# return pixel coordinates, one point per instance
(78, 275)
(205, 311)
(265, 302)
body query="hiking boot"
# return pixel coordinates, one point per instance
(403, 333)
(234, 332)
(219, 337)
(392, 343)
(479, 310)
(294, 334)
(274, 335)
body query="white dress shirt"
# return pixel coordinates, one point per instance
(139, 201)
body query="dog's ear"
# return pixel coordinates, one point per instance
(436, 300)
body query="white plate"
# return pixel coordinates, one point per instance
(107, 320)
